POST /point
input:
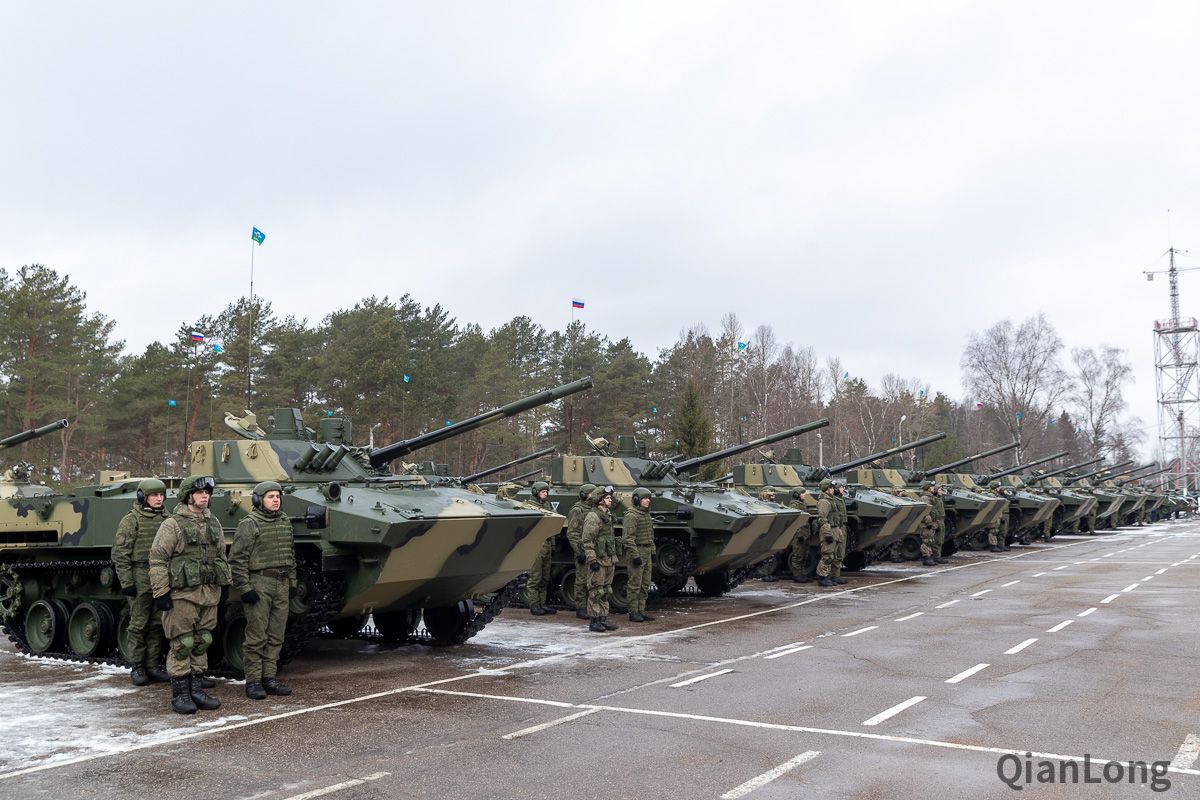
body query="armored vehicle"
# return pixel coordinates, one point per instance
(1072, 507)
(1108, 503)
(1150, 500)
(17, 479)
(367, 541)
(702, 531)
(1028, 511)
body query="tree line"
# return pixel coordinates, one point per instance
(398, 368)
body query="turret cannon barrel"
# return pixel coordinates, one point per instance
(964, 461)
(693, 464)
(1011, 470)
(1130, 472)
(1143, 477)
(858, 462)
(1061, 470)
(32, 433)
(388, 453)
(546, 451)
(1093, 474)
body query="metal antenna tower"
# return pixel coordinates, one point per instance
(1177, 381)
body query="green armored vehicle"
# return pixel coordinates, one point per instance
(1135, 509)
(1073, 506)
(16, 481)
(367, 541)
(1108, 503)
(702, 531)
(1028, 511)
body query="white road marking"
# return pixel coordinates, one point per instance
(1064, 566)
(1148, 578)
(981, 592)
(860, 630)
(1130, 587)
(550, 724)
(1109, 599)
(1040, 574)
(781, 647)
(1161, 571)
(1085, 613)
(1010, 583)
(966, 673)
(910, 616)
(1108, 555)
(1077, 563)
(788, 652)
(1019, 648)
(337, 787)
(1060, 626)
(699, 678)
(894, 710)
(947, 605)
(1188, 752)
(768, 776)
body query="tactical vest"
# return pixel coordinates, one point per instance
(575, 519)
(273, 546)
(145, 524)
(202, 562)
(543, 505)
(837, 516)
(638, 529)
(605, 543)
(938, 511)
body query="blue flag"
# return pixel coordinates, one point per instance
(257, 235)
(407, 379)
(171, 404)
(741, 345)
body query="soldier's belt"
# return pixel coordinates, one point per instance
(145, 564)
(279, 574)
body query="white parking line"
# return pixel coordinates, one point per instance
(981, 591)
(768, 776)
(910, 616)
(1060, 626)
(550, 724)
(1010, 583)
(699, 678)
(787, 652)
(1019, 648)
(1085, 613)
(893, 711)
(1109, 599)
(1130, 587)
(337, 787)
(947, 605)
(860, 630)
(1188, 752)
(966, 673)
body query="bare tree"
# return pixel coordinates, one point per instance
(1097, 394)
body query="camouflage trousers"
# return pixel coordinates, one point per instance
(144, 637)
(833, 550)
(266, 622)
(638, 588)
(599, 588)
(189, 626)
(538, 584)
(580, 574)
(798, 560)
(931, 544)
(1091, 523)
(1048, 529)
(995, 538)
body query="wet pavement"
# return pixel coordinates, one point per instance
(907, 682)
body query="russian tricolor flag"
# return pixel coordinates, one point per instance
(197, 337)
(576, 303)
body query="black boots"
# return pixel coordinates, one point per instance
(608, 626)
(581, 614)
(995, 549)
(158, 675)
(138, 676)
(597, 626)
(199, 696)
(203, 682)
(940, 560)
(541, 610)
(801, 579)
(839, 581)
(181, 695)
(275, 687)
(549, 609)
(255, 691)
(929, 562)
(646, 617)
(826, 582)
(636, 617)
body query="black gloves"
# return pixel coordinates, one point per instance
(827, 539)
(163, 602)
(579, 559)
(637, 561)
(292, 593)
(594, 566)
(250, 597)
(129, 591)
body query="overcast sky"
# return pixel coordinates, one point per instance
(876, 180)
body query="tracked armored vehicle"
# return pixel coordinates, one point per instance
(367, 542)
(1072, 507)
(17, 479)
(1108, 503)
(1028, 511)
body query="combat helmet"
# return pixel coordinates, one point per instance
(150, 486)
(539, 486)
(640, 493)
(260, 491)
(586, 490)
(195, 483)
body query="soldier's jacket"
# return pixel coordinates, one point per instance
(599, 543)
(263, 541)
(839, 512)
(188, 557)
(637, 530)
(937, 512)
(131, 549)
(544, 505)
(825, 513)
(798, 505)
(575, 519)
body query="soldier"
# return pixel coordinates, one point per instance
(829, 533)
(839, 493)
(935, 527)
(767, 494)
(539, 574)
(637, 537)
(600, 550)
(574, 538)
(187, 570)
(263, 565)
(798, 560)
(131, 560)
(998, 536)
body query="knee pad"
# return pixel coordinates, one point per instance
(183, 646)
(201, 647)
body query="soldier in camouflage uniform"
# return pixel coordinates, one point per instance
(935, 527)
(538, 585)
(829, 533)
(998, 536)
(262, 561)
(600, 550)
(575, 539)
(637, 537)
(839, 494)
(798, 559)
(187, 570)
(131, 561)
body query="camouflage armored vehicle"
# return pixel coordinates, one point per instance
(1108, 503)
(1150, 500)
(878, 515)
(367, 541)
(17, 479)
(1073, 506)
(1028, 511)
(702, 531)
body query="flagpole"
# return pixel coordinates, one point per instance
(250, 331)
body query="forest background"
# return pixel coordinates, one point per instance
(398, 368)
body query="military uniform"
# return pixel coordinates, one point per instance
(798, 560)
(935, 530)
(637, 537)
(262, 561)
(131, 561)
(998, 536)
(538, 586)
(828, 533)
(840, 526)
(575, 519)
(600, 551)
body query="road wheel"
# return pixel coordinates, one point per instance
(396, 626)
(91, 629)
(46, 625)
(448, 624)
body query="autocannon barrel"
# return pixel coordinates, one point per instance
(546, 451)
(1143, 477)
(391, 452)
(1061, 470)
(858, 462)
(1019, 467)
(32, 433)
(1069, 481)
(964, 461)
(692, 464)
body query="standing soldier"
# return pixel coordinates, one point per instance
(187, 570)
(839, 494)
(829, 533)
(539, 574)
(131, 560)
(998, 535)
(637, 537)
(935, 527)
(798, 560)
(263, 563)
(600, 550)
(575, 539)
